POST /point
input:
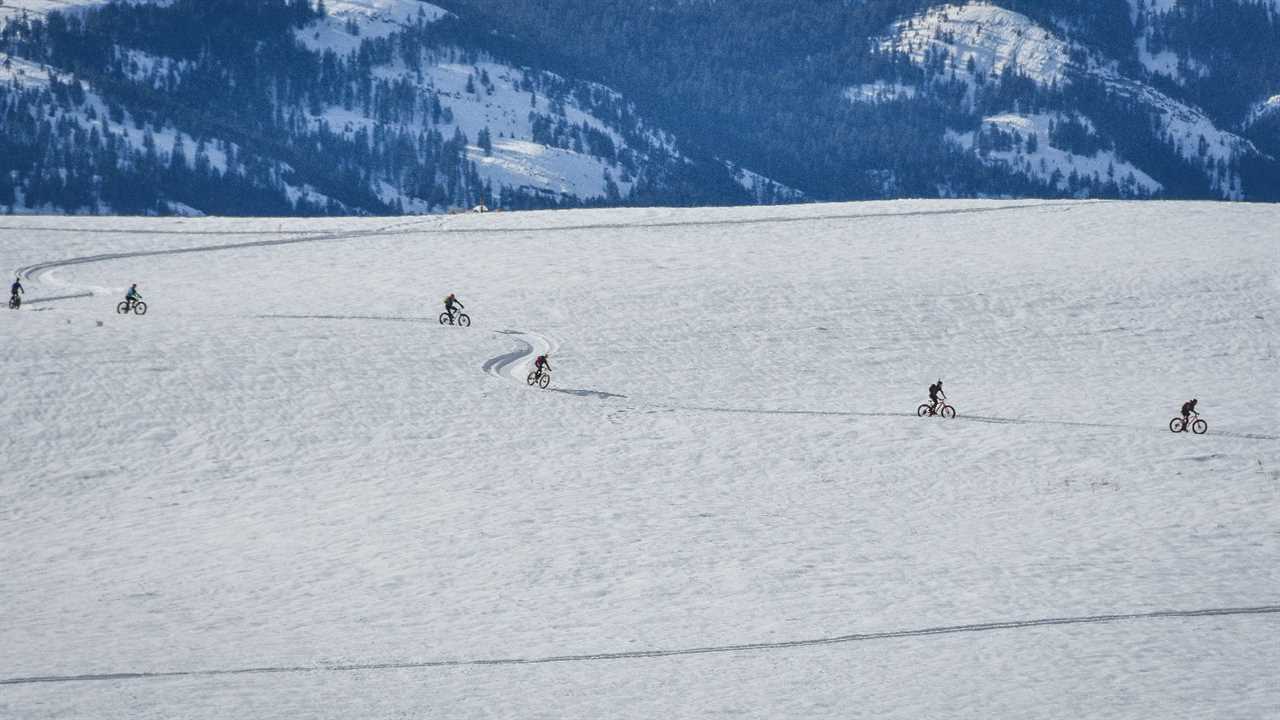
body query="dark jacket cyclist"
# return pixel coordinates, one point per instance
(935, 391)
(1188, 408)
(449, 304)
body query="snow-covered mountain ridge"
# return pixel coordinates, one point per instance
(1165, 87)
(397, 105)
(977, 43)
(485, 131)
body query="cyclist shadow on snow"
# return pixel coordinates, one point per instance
(588, 393)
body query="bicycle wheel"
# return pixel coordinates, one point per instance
(14, 303)
(445, 319)
(923, 410)
(464, 320)
(122, 308)
(544, 381)
(1176, 425)
(533, 378)
(948, 412)
(1199, 427)
(139, 308)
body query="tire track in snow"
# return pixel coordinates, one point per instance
(32, 272)
(677, 652)
(584, 226)
(500, 366)
(504, 365)
(52, 298)
(510, 366)
(360, 318)
(1069, 204)
(963, 418)
(174, 233)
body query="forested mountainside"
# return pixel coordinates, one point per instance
(884, 98)
(387, 106)
(289, 107)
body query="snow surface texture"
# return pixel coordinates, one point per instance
(292, 489)
(996, 39)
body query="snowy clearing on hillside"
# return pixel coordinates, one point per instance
(288, 492)
(880, 91)
(1053, 164)
(503, 107)
(1263, 110)
(369, 19)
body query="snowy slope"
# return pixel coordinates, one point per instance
(1268, 108)
(1051, 163)
(371, 19)
(132, 133)
(505, 107)
(14, 8)
(290, 493)
(534, 137)
(992, 39)
(1167, 62)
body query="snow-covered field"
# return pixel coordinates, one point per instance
(288, 492)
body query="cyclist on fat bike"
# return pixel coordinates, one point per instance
(16, 289)
(1188, 409)
(935, 393)
(540, 363)
(132, 296)
(449, 304)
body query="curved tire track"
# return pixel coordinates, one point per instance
(32, 272)
(510, 366)
(652, 654)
